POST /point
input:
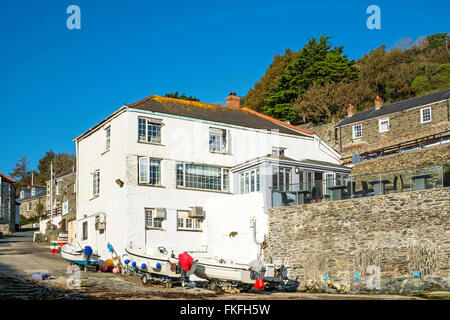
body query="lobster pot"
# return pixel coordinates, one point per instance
(54, 248)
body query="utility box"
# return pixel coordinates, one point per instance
(160, 213)
(196, 212)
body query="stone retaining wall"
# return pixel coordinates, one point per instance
(396, 233)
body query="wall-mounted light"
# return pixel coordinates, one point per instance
(119, 182)
(297, 170)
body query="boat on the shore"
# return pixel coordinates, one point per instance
(155, 261)
(79, 255)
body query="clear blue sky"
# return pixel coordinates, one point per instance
(56, 83)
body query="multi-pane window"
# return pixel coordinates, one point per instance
(217, 140)
(425, 115)
(96, 183)
(85, 231)
(184, 222)
(281, 178)
(249, 181)
(202, 177)
(151, 220)
(357, 131)
(149, 171)
(108, 138)
(33, 192)
(383, 125)
(29, 206)
(306, 180)
(22, 194)
(149, 130)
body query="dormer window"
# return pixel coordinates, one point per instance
(278, 152)
(22, 194)
(33, 191)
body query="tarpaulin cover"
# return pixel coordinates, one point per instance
(185, 261)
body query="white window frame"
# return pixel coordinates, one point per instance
(107, 138)
(96, 183)
(250, 181)
(185, 223)
(182, 182)
(383, 122)
(144, 175)
(151, 222)
(354, 131)
(143, 134)
(422, 115)
(33, 192)
(84, 231)
(58, 189)
(278, 151)
(276, 172)
(220, 142)
(22, 194)
(28, 206)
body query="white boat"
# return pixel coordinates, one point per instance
(75, 254)
(221, 270)
(156, 261)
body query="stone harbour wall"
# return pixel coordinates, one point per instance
(391, 235)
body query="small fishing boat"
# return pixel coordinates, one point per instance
(79, 255)
(154, 261)
(221, 270)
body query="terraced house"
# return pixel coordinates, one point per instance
(189, 176)
(32, 200)
(405, 124)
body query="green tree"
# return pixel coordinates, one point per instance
(61, 162)
(255, 98)
(183, 96)
(316, 63)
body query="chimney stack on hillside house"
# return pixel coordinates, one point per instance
(233, 101)
(378, 102)
(351, 110)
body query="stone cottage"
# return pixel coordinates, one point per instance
(32, 201)
(7, 204)
(387, 125)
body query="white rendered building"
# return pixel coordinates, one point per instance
(187, 176)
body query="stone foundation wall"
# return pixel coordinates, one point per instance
(396, 233)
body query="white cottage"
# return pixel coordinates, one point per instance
(188, 176)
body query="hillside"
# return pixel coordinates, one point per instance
(316, 83)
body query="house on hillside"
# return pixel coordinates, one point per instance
(7, 204)
(186, 175)
(405, 122)
(32, 201)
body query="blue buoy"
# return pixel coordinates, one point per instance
(88, 250)
(416, 273)
(158, 265)
(134, 264)
(127, 261)
(143, 266)
(325, 277)
(356, 276)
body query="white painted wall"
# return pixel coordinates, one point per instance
(182, 141)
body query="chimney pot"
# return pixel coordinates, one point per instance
(378, 102)
(233, 101)
(351, 110)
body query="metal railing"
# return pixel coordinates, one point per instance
(396, 148)
(359, 186)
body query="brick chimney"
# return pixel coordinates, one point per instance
(351, 110)
(378, 102)
(233, 101)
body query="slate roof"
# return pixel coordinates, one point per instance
(8, 178)
(39, 192)
(243, 117)
(396, 107)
